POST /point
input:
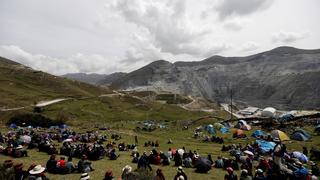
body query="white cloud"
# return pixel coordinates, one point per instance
(164, 28)
(232, 8)
(122, 35)
(249, 46)
(72, 64)
(289, 36)
(236, 24)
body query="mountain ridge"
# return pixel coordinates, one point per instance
(284, 77)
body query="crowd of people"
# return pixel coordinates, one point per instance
(278, 163)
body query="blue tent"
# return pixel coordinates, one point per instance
(224, 130)
(63, 126)
(258, 133)
(300, 156)
(299, 136)
(14, 126)
(265, 146)
(303, 132)
(210, 129)
(286, 117)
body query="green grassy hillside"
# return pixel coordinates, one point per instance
(21, 86)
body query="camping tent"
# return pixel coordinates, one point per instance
(238, 133)
(258, 133)
(279, 134)
(246, 127)
(299, 136)
(13, 126)
(218, 126)
(210, 129)
(265, 146)
(305, 133)
(300, 156)
(227, 124)
(224, 130)
(242, 124)
(268, 112)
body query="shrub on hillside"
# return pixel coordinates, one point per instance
(35, 120)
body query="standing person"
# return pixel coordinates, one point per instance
(305, 151)
(278, 152)
(230, 175)
(37, 173)
(136, 140)
(180, 172)
(159, 175)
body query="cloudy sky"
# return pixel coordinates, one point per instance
(105, 36)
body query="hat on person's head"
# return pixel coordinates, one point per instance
(244, 171)
(259, 171)
(32, 166)
(37, 170)
(229, 170)
(18, 166)
(276, 139)
(127, 169)
(298, 163)
(84, 176)
(180, 169)
(19, 147)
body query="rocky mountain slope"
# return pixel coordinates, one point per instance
(285, 77)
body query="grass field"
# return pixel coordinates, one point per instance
(181, 138)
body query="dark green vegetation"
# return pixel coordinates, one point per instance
(173, 98)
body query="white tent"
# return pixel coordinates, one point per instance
(268, 112)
